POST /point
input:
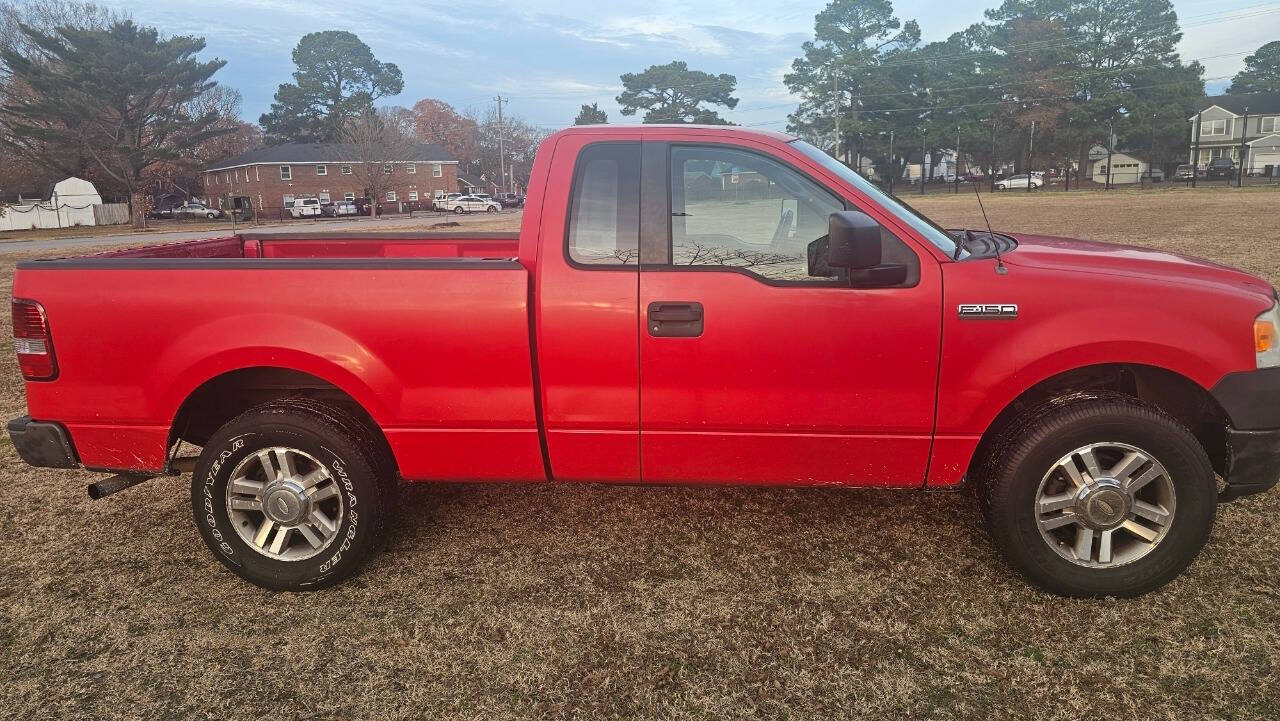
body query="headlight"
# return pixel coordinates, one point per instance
(1266, 338)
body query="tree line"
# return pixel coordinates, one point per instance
(86, 91)
(1080, 72)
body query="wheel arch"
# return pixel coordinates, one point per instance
(222, 397)
(1173, 393)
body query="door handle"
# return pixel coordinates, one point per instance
(675, 319)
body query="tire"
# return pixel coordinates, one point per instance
(210, 216)
(999, 186)
(458, 209)
(355, 492)
(490, 209)
(1023, 466)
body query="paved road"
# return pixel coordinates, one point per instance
(153, 237)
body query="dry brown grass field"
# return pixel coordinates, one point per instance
(592, 601)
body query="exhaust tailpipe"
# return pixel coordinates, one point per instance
(101, 489)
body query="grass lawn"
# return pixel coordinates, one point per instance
(588, 601)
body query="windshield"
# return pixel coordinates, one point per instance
(917, 220)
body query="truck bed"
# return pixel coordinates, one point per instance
(390, 320)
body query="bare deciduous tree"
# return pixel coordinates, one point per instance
(379, 149)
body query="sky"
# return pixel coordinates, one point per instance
(549, 57)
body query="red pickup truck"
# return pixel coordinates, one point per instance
(681, 305)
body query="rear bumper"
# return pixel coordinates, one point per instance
(1251, 400)
(41, 444)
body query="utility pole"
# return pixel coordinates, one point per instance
(890, 161)
(1031, 153)
(1244, 132)
(835, 96)
(1195, 154)
(922, 161)
(1111, 143)
(1151, 160)
(992, 174)
(502, 158)
(956, 170)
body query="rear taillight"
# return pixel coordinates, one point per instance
(32, 342)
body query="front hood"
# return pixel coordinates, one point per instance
(1086, 256)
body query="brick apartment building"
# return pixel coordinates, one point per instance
(271, 178)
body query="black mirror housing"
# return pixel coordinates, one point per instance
(854, 239)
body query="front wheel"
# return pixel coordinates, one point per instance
(292, 496)
(1104, 496)
(999, 186)
(491, 209)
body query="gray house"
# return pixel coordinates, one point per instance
(1222, 119)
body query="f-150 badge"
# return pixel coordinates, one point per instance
(976, 311)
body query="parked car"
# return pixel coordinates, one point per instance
(339, 208)
(474, 203)
(510, 200)
(972, 177)
(1221, 168)
(196, 210)
(304, 208)
(1185, 171)
(1018, 181)
(445, 202)
(162, 213)
(1088, 392)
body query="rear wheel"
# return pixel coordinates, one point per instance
(458, 209)
(1100, 497)
(490, 209)
(292, 495)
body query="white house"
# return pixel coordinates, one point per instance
(1126, 166)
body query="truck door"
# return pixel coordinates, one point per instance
(586, 309)
(755, 366)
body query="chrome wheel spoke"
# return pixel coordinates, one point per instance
(1084, 544)
(1049, 504)
(312, 537)
(284, 459)
(247, 487)
(1155, 514)
(246, 504)
(1135, 485)
(1140, 530)
(1104, 546)
(1049, 524)
(264, 458)
(313, 478)
(322, 521)
(323, 493)
(281, 540)
(1090, 463)
(1068, 466)
(1131, 462)
(264, 530)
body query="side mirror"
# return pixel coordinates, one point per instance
(854, 239)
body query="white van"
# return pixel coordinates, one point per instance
(305, 208)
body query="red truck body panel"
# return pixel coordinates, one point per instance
(493, 357)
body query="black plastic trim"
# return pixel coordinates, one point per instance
(42, 444)
(1250, 398)
(1253, 462)
(271, 264)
